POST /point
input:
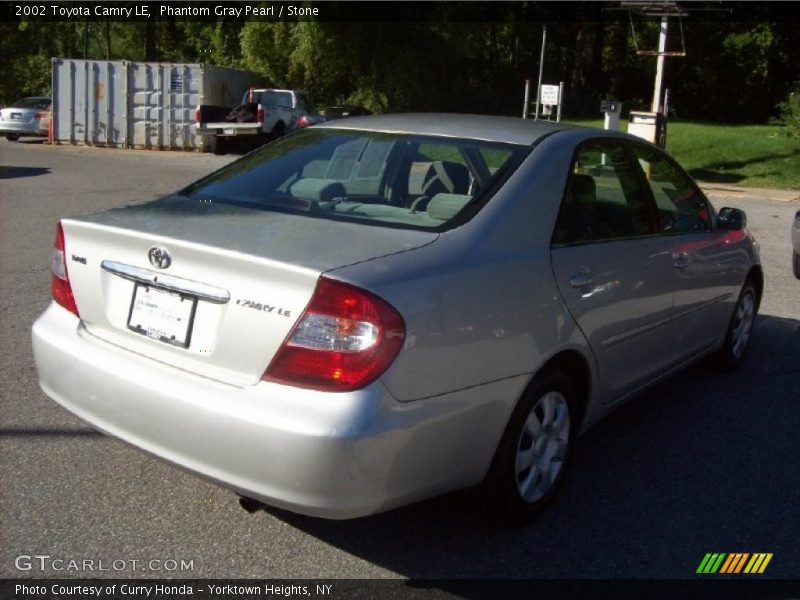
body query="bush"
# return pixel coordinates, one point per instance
(789, 113)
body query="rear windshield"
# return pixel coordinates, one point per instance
(38, 103)
(400, 180)
(270, 99)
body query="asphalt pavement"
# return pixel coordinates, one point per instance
(704, 462)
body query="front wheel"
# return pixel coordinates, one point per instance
(12, 137)
(730, 356)
(532, 456)
(796, 264)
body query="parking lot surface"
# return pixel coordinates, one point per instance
(705, 462)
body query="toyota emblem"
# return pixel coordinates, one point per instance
(159, 257)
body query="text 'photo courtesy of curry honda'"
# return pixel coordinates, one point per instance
(375, 310)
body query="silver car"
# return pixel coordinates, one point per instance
(28, 116)
(376, 310)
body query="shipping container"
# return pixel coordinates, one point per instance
(126, 104)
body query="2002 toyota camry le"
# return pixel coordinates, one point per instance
(381, 309)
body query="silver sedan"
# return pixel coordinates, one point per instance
(376, 310)
(28, 116)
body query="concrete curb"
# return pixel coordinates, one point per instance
(731, 191)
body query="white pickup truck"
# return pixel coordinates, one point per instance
(263, 115)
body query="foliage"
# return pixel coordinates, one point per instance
(789, 113)
(457, 56)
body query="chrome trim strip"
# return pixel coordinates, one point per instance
(626, 335)
(701, 306)
(203, 291)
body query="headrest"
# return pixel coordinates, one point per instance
(582, 187)
(321, 190)
(453, 176)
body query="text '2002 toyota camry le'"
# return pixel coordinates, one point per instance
(380, 309)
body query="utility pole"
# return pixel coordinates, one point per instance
(541, 68)
(527, 99)
(662, 47)
(560, 101)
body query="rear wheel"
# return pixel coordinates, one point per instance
(796, 264)
(737, 339)
(12, 137)
(218, 145)
(278, 130)
(532, 456)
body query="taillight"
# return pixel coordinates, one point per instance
(41, 115)
(260, 114)
(303, 121)
(345, 339)
(197, 115)
(62, 290)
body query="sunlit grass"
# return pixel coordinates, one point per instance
(745, 155)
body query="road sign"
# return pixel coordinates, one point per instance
(549, 95)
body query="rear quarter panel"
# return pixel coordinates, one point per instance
(481, 304)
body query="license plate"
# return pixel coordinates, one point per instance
(16, 116)
(162, 315)
(228, 131)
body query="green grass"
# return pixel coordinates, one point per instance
(745, 155)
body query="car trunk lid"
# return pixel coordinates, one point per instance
(235, 281)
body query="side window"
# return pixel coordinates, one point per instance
(603, 198)
(682, 208)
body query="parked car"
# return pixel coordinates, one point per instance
(796, 245)
(376, 310)
(263, 115)
(330, 113)
(26, 117)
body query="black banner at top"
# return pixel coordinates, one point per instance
(354, 11)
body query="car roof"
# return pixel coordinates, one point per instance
(509, 130)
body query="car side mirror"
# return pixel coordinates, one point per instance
(731, 219)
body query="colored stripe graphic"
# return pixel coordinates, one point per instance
(758, 563)
(711, 562)
(741, 558)
(733, 563)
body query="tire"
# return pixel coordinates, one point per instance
(12, 137)
(740, 329)
(540, 433)
(796, 264)
(278, 130)
(218, 145)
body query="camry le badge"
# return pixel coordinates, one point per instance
(159, 257)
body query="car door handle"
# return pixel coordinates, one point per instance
(681, 260)
(581, 280)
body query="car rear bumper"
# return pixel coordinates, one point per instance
(22, 128)
(231, 131)
(330, 455)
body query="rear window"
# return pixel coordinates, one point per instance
(276, 99)
(37, 103)
(399, 180)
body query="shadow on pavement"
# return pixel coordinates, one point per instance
(22, 432)
(17, 172)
